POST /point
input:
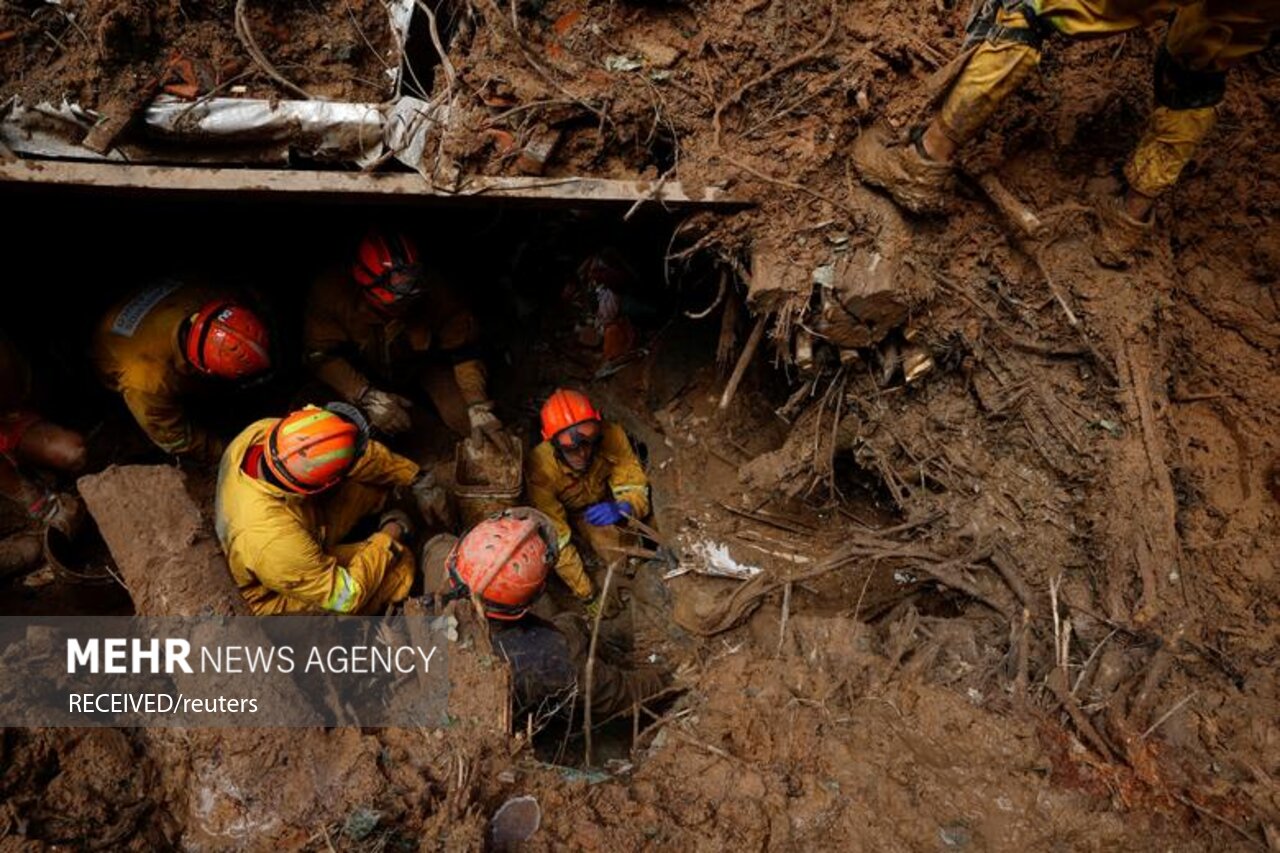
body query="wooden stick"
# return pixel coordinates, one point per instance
(786, 613)
(1011, 206)
(589, 677)
(1167, 714)
(740, 369)
(1008, 570)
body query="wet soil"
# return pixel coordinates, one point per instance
(1031, 602)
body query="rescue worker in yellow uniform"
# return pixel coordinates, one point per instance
(504, 561)
(28, 440)
(1004, 40)
(587, 479)
(162, 346)
(291, 490)
(386, 323)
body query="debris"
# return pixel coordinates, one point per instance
(916, 363)
(1021, 216)
(1110, 426)
(533, 159)
(740, 369)
(361, 823)
(718, 562)
(617, 62)
(657, 54)
(514, 823)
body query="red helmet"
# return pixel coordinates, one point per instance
(311, 449)
(227, 340)
(504, 560)
(387, 269)
(564, 409)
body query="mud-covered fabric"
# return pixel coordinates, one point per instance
(548, 664)
(286, 551)
(1206, 35)
(137, 352)
(1204, 40)
(349, 345)
(562, 493)
(1167, 145)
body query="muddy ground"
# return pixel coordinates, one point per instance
(1027, 602)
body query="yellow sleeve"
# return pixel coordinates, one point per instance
(294, 565)
(627, 480)
(323, 335)
(540, 480)
(165, 422)
(379, 466)
(472, 381)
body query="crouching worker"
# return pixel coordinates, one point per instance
(587, 479)
(290, 493)
(388, 322)
(168, 344)
(504, 561)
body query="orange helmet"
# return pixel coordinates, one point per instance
(387, 269)
(227, 340)
(504, 560)
(566, 408)
(311, 449)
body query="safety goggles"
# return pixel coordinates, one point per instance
(585, 434)
(399, 285)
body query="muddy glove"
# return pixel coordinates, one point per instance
(432, 501)
(398, 517)
(485, 423)
(388, 412)
(606, 513)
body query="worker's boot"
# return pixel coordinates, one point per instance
(913, 180)
(1119, 235)
(19, 553)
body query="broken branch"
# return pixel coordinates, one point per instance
(740, 369)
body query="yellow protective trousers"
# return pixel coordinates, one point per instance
(1206, 36)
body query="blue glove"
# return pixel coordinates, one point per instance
(606, 513)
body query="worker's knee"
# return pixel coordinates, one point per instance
(53, 446)
(395, 584)
(1001, 22)
(1181, 88)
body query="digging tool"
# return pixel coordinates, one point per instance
(611, 367)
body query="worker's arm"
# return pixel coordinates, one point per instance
(542, 494)
(379, 466)
(294, 565)
(627, 480)
(165, 422)
(458, 334)
(324, 338)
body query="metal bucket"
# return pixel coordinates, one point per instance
(483, 489)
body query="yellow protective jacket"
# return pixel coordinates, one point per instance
(557, 490)
(348, 343)
(137, 353)
(278, 544)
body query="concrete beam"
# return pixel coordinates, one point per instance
(357, 186)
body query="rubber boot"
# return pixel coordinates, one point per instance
(1119, 235)
(913, 181)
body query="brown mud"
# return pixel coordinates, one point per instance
(1027, 602)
